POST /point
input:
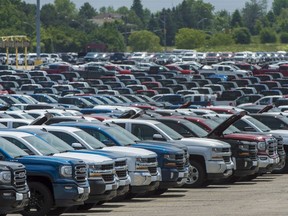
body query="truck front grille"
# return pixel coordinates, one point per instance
(19, 177)
(252, 152)
(80, 173)
(272, 147)
(107, 166)
(225, 149)
(120, 163)
(108, 177)
(121, 174)
(152, 160)
(152, 170)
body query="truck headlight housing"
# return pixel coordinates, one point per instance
(262, 146)
(66, 171)
(141, 160)
(169, 156)
(5, 177)
(216, 154)
(244, 147)
(217, 150)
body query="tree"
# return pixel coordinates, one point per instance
(242, 36)
(189, 38)
(144, 41)
(221, 39)
(267, 35)
(278, 5)
(253, 10)
(236, 20)
(137, 7)
(49, 15)
(284, 37)
(87, 11)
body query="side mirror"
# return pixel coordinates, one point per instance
(158, 137)
(77, 146)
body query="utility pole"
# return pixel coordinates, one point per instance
(38, 46)
(165, 35)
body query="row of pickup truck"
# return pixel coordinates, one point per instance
(50, 169)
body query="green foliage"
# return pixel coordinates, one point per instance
(284, 37)
(87, 11)
(278, 6)
(221, 39)
(236, 20)
(242, 36)
(187, 38)
(267, 35)
(144, 41)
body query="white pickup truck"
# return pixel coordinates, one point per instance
(226, 70)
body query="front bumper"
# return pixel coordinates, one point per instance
(173, 178)
(245, 166)
(144, 177)
(70, 194)
(219, 169)
(267, 164)
(12, 201)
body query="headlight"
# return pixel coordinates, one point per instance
(262, 146)
(217, 150)
(5, 177)
(66, 171)
(170, 157)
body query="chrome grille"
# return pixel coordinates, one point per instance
(19, 178)
(179, 157)
(152, 170)
(108, 177)
(225, 149)
(80, 173)
(107, 166)
(121, 174)
(152, 160)
(272, 147)
(120, 163)
(252, 152)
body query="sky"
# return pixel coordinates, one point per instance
(156, 5)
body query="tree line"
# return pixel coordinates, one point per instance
(189, 25)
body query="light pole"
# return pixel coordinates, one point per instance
(201, 21)
(164, 33)
(38, 39)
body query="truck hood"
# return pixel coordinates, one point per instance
(159, 150)
(204, 142)
(283, 133)
(160, 143)
(43, 160)
(130, 151)
(87, 158)
(246, 137)
(115, 156)
(218, 131)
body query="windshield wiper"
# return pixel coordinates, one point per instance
(20, 156)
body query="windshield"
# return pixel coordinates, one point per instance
(196, 129)
(40, 145)
(90, 140)
(55, 142)
(123, 136)
(170, 132)
(259, 124)
(11, 149)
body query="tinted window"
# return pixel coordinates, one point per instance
(143, 132)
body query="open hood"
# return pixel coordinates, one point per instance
(218, 131)
(42, 119)
(266, 108)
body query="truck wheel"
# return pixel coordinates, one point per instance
(283, 168)
(41, 200)
(196, 176)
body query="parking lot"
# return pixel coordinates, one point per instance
(266, 195)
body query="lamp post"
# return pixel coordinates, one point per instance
(38, 37)
(201, 21)
(164, 33)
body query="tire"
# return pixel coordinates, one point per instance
(57, 211)
(100, 203)
(197, 176)
(41, 200)
(283, 168)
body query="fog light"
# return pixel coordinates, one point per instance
(68, 188)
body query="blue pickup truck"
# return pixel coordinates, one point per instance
(55, 183)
